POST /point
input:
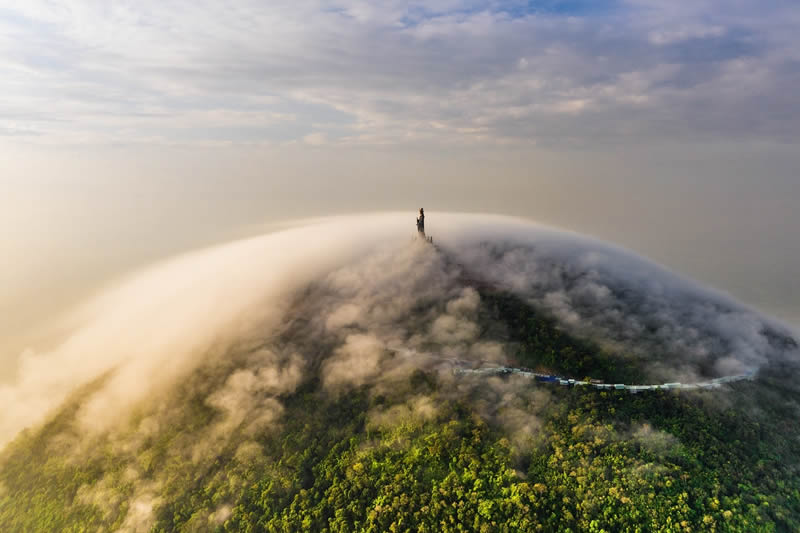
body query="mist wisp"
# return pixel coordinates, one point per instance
(359, 300)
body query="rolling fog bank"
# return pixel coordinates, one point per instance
(66, 232)
(157, 326)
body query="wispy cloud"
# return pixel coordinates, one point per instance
(399, 72)
(362, 303)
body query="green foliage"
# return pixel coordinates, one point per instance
(596, 466)
(370, 459)
(543, 344)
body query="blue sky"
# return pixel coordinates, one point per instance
(552, 73)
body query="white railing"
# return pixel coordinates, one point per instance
(460, 364)
(568, 382)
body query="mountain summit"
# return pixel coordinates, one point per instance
(305, 381)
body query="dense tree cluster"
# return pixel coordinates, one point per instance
(541, 343)
(368, 460)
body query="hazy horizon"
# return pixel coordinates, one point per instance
(73, 235)
(130, 133)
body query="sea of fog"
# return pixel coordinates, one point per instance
(60, 246)
(150, 327)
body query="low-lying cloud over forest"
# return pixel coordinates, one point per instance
(205, 366)
(363, 302)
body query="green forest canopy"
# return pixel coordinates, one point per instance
(386, 460)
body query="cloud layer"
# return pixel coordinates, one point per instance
(205, 351)
(355, 72)
(360, 301)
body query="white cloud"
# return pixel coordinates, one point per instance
(316, 139)
(685, 33)
(358, 360)
(384, 72)
(380, 307)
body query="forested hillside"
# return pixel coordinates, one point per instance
(422, 451)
